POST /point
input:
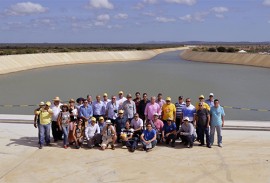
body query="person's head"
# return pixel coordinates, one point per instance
(129, 97)
(149, 126)
(145, 96)
(159, 96)
(168, 100)
(41, 104)
(47, 105)
(127, 124)
(216, 103)
(180, 99)
(85, 102)
(153, 99)
(136, 116)
(80, 121)
(108, 123)
(101, 119)
(186, 120)
(79, 100)
(56, 101)
(155, 116)
(64, 108)
(188, 102)
(105, 96)
(200, 105)
(211, 96)
(89, 98)
(169, 121)
(98, 98)
(120, 94)
(71, 102)
(138, 95)
(93, 120)
(113, 99)
(201, 98)
(120, 113)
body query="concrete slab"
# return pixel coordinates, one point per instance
(244, 158)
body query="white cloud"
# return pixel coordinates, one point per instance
(266, 2)
(98, 23)
(25, 8)
(220, 9)
(150, 14)
(196, 17)
(100, 4)
(164, 19)
(219, 15)
(187, 2)
(150, 1)
(103, 18)
(121, 16)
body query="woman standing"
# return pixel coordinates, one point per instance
(63, 123)
(73, 118)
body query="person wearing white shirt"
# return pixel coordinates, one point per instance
(112, 110)
(121, 99)
(137, 124)
(105, 99)
(56, 132)
(92, 133)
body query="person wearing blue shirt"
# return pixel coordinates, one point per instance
(210, 101)
(189, 111)
(169, 132)
(217, 122)
(86, 112)
(148, 138)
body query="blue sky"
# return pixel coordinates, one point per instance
(133, 21)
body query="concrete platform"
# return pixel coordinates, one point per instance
(244, 158)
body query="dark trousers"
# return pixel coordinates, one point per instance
(132, 143)
(178, 122)
(169, 138)
(201, 130)
(187, 139)
(57, 133)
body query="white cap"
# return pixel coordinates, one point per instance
(156, 114)
(211, 94)
(108, 121)
(186, 119)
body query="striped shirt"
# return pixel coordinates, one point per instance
(179, 108)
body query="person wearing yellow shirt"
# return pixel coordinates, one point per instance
(45, 115)
(205, 105)
(168, 110)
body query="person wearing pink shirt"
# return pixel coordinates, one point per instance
(151, 108)
(158, 126)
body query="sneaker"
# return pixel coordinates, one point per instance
(220, 145)
(132, 149)
(40, 147)
(48, 144)
(209, 146)
(113, 148)
(77, 147)
(188, 146)
(124, 147)
(173, 144)
(148, 150)
(65, 146)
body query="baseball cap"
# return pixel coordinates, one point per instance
(120, 112)
(41, 103)
(101, 118)
(105, 95)
(168, 99)
(93, 119)
(120, 92)
(211, 94)
(186, 119)
(201, 96)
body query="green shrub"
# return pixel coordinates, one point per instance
(212, 49)
(221, 49)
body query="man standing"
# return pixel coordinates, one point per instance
(168, 110)
(142, 106)
(56, 108)
(137, 100)
(37, 118)
(129, 108)
(210, 101)
(86, 112)
(45, 115)
(121, 99)
(189, 111)
(105, 99)
(179, 116)
(205, 105)
(169, 132)
(217, 122)
(98, 108)
(160, 101)
(203, 123)
(112, 109)
(151, 108)
(148, 138)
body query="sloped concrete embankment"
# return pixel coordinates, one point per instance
(228, 58)
(14, 63)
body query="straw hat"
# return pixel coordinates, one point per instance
(56, 99)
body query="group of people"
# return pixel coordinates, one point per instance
(129, 121)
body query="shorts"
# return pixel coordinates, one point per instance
(106, 141)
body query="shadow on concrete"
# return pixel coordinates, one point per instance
(32, 142)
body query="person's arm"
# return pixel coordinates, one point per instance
(86, 133)
(208, 120)
(74, 132)
(98, 129)
(222, 118)
(174, 113)
(146, 112)
(194, 121)
(59, 120)
(163, 135)
(81, 114)
(142, 138)
(154, 138)
(91, 112)
(35, 118)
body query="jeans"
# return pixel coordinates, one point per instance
(169, 138)
(132, 143)
(65, 129)
(212, 134)
(154, 143)
(44, 132)
(201, 130)
(57, 133)
(188, 139)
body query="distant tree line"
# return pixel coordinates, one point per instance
(218, 49)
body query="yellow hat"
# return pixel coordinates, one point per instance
(120, 112)
(201, 96)
(48, 103)
(168, 99)
(105, 95)
(93, 119)
(56, 99)
(120, 92)
(100, 118)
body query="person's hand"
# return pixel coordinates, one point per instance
(222, 124)
(167, 134)
(60, 128)
(35, 125)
